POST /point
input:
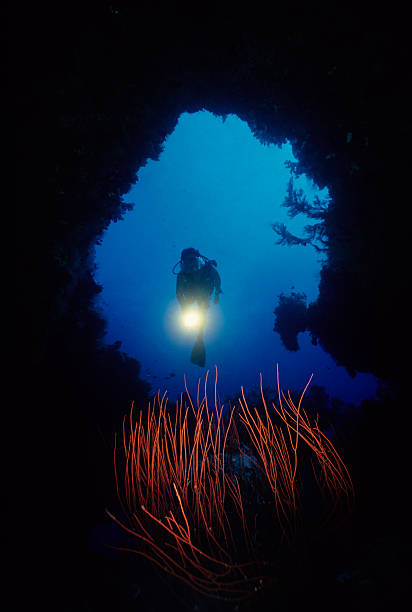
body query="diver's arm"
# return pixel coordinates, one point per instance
(180, 291)
(217, 284)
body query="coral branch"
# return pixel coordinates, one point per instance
(191, 502)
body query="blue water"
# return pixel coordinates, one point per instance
(215, 188)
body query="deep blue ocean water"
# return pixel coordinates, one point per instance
(218, 189)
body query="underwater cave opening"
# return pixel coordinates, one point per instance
(218, 189)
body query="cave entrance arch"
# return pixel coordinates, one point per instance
(94, 97)
(170, 201)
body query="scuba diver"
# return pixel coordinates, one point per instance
(195, 282)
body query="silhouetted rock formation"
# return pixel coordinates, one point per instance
(291, 318)
(98, 86)
(101, 92)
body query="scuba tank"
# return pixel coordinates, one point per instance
(191, 252)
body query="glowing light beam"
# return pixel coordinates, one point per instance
(192, 319)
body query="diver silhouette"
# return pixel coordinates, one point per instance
(196, 281)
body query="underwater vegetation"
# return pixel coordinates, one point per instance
(211, 495)
(88, 116)
(296, 203)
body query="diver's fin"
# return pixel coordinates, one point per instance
(198, 356)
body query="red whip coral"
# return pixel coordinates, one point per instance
(191, 503)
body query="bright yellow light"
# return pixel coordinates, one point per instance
(191, 319)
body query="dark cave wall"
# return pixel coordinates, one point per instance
(97, 87)
(96, 92)
(103, 90)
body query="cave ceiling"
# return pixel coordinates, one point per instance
(99, 89)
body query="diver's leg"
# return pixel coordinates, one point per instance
(203, 304)
(198, 356)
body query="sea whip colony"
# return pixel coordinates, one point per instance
(193, 490)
